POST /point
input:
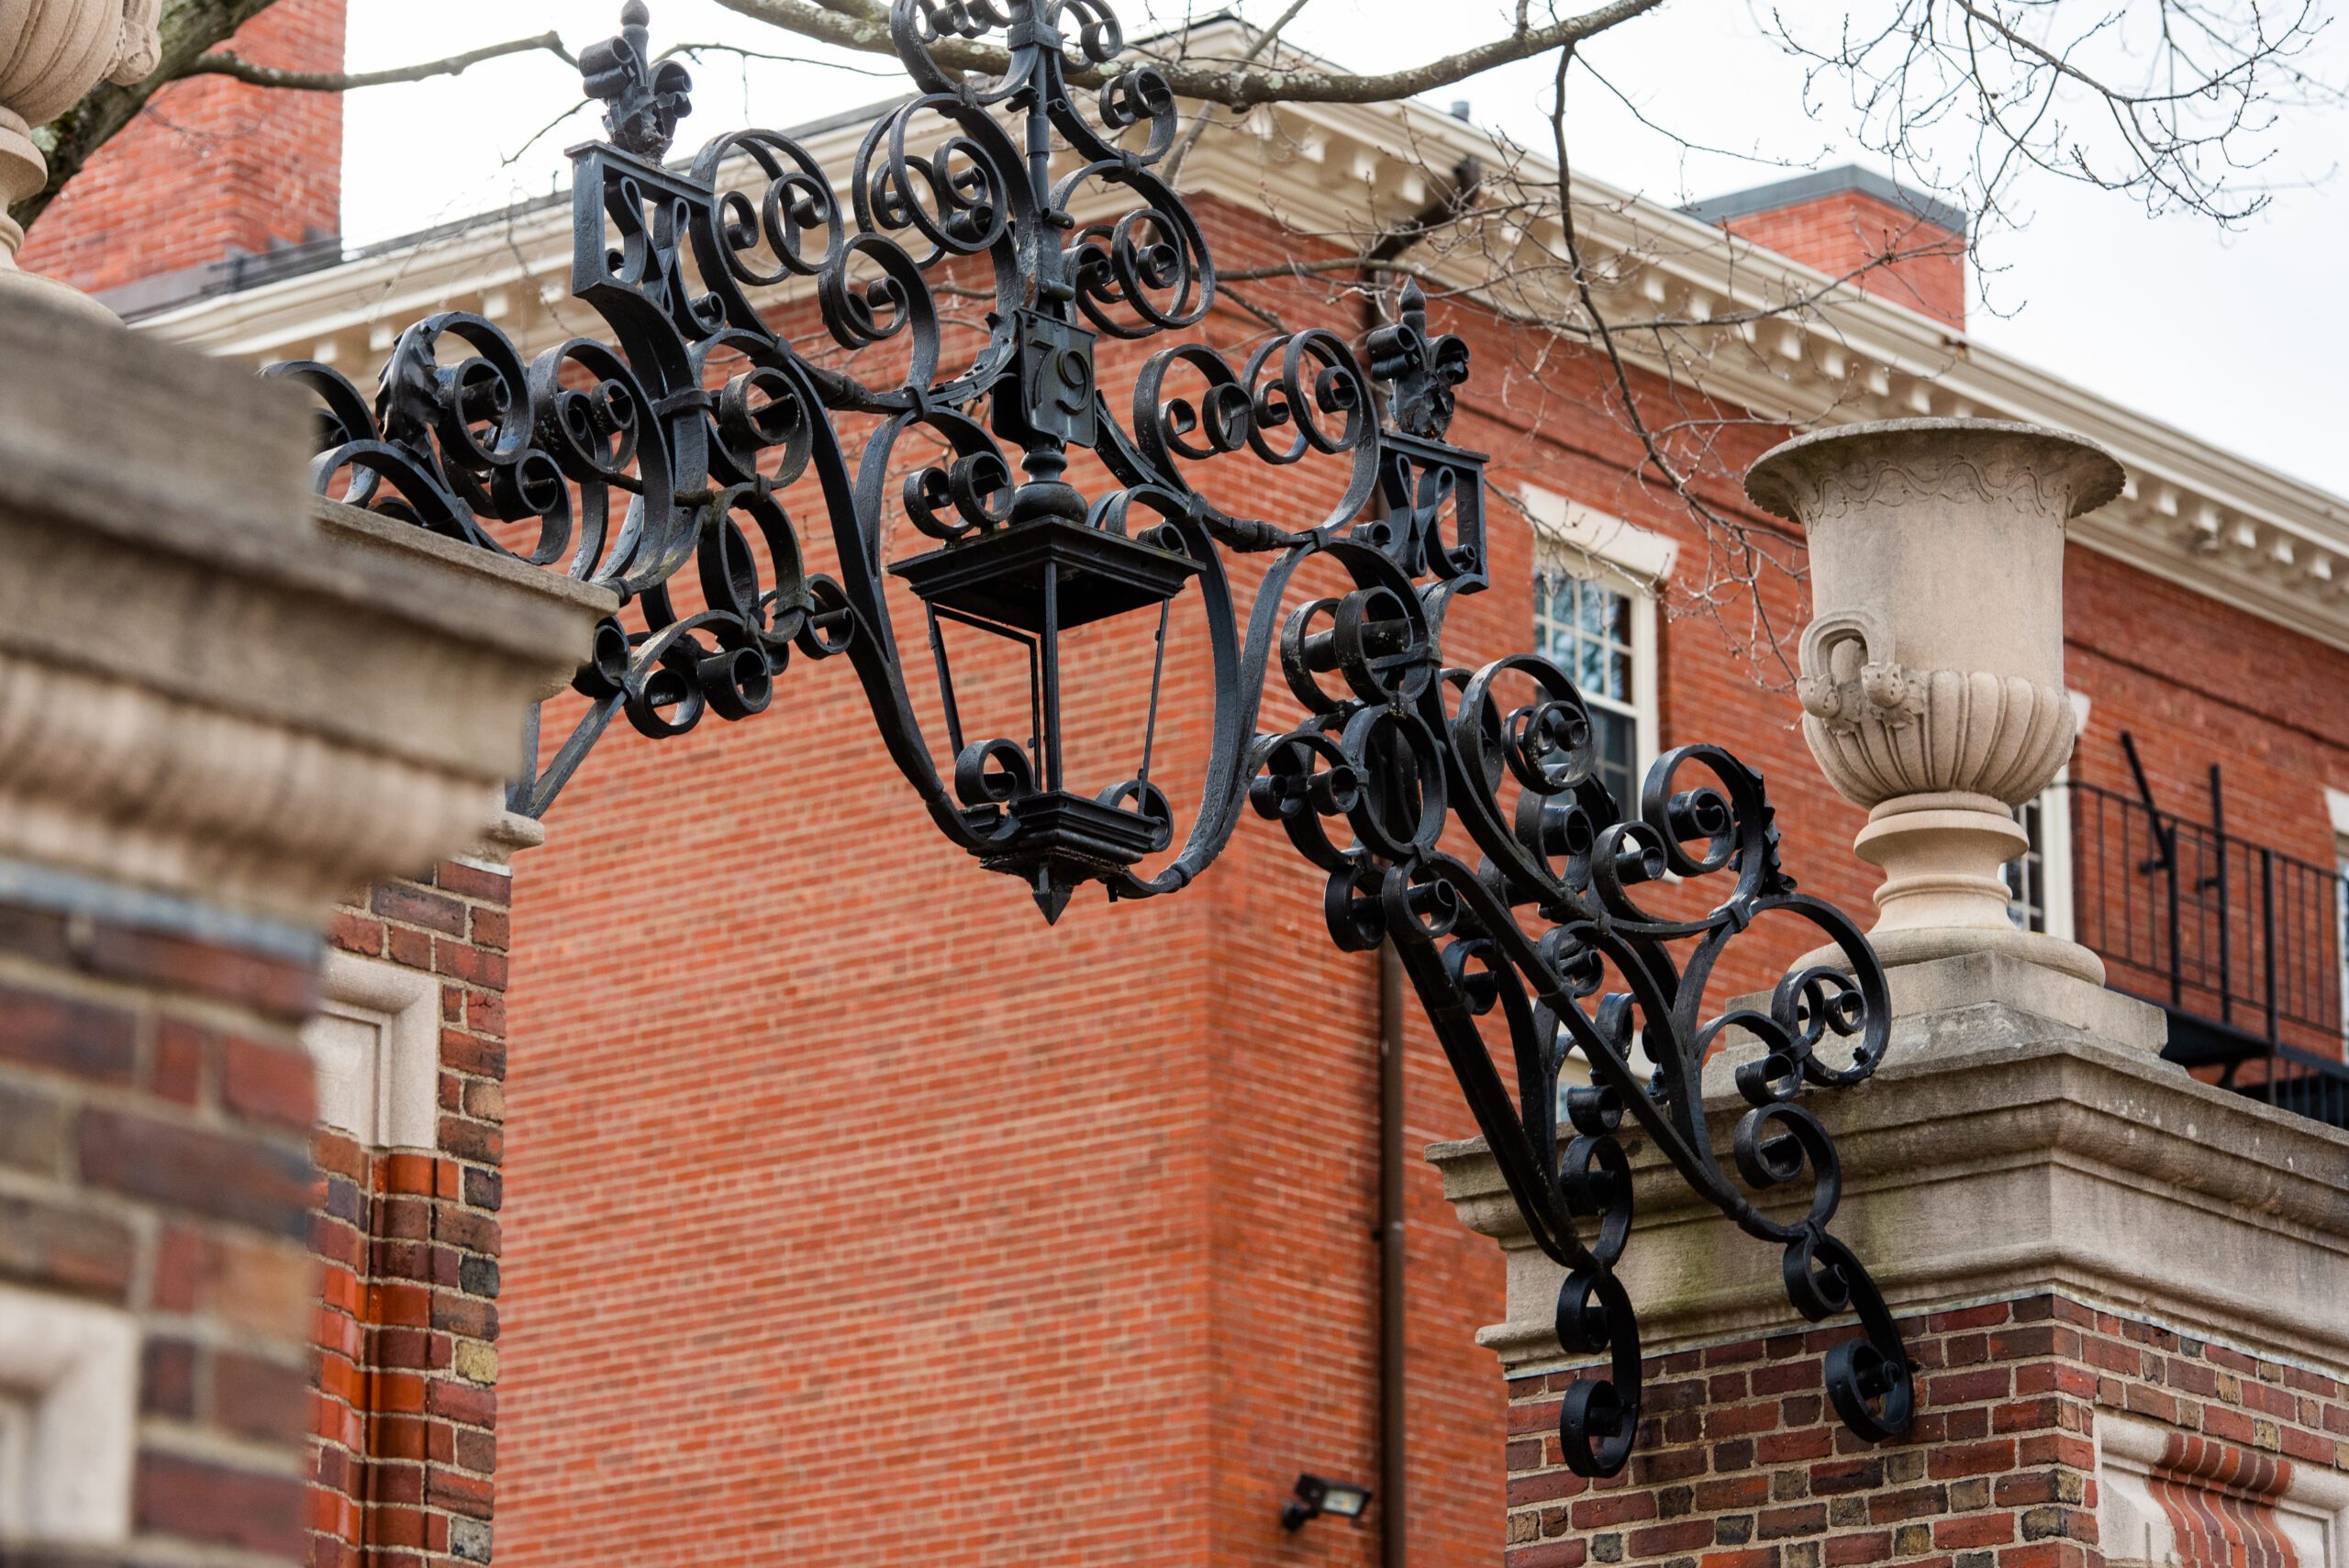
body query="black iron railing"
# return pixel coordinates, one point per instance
(2241, 943)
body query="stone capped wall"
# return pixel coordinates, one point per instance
(1741, 1467)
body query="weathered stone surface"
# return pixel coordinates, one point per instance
(2000, 1151)
(207, 683)
(1932, 669)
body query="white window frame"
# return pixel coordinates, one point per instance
(396, 1100)
(1635, 562)
(2055, 805)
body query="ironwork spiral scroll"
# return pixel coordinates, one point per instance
(1546, 944)
(675, 445)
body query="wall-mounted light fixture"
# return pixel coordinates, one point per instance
(1317, 1495)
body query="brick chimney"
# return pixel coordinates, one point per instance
(1840, 220)
(213, 176)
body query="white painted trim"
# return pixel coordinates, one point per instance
(2055, 858)
(2336, 806)
(69, 1420)
(2056, 890)
(1636, 563)
(395, 1103)
(2194, 514)
(1635, 552)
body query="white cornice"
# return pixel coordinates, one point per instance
(2193, 514)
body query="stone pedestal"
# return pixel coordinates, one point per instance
(2113, 1279)
(1932, 669)
(220, 712)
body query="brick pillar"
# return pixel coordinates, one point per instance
(154, 1324)
(2126, 1294)
(406, 1422)
(220, 709)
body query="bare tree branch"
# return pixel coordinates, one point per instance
(1717, 528)
(188, 28)
(243, 70)
(864, 25)
(1263, 41)
(2170, 101)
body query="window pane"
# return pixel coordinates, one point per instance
(2026, 889)
(1617, 741)
(1594, 609)
(1584, 628)
(1618, 622)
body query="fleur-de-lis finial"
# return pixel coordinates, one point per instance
(644, 103)
(1422, 369)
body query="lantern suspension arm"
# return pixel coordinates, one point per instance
(673, 459)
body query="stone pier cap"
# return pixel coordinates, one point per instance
(213, 686)
(2022, 1136)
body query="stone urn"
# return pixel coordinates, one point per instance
(51, 52)
(1932, 670)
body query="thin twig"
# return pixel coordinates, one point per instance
(1199, 121)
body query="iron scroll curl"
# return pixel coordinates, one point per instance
(665, 463)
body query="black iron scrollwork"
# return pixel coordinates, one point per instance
(1546, 945)
(671, 454)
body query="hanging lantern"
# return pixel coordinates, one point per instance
(1029, 583)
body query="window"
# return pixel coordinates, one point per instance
(1584, 628)
(2039, 882)
(2027, 875)
(1595, 586)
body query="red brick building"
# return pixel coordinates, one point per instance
(792, 1194)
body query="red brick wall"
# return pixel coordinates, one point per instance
(211, 165)
(405, 1416)
(1740, 1467)
(154, 1099)
(1842, 233)
(963, 1237)
(960, 1237)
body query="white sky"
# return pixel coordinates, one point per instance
(2239, 338)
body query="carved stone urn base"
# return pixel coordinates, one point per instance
(1943, 894)
(22, 172)
(1899, 948)
(51, 52)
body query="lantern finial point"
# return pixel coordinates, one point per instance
(1052, 895)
